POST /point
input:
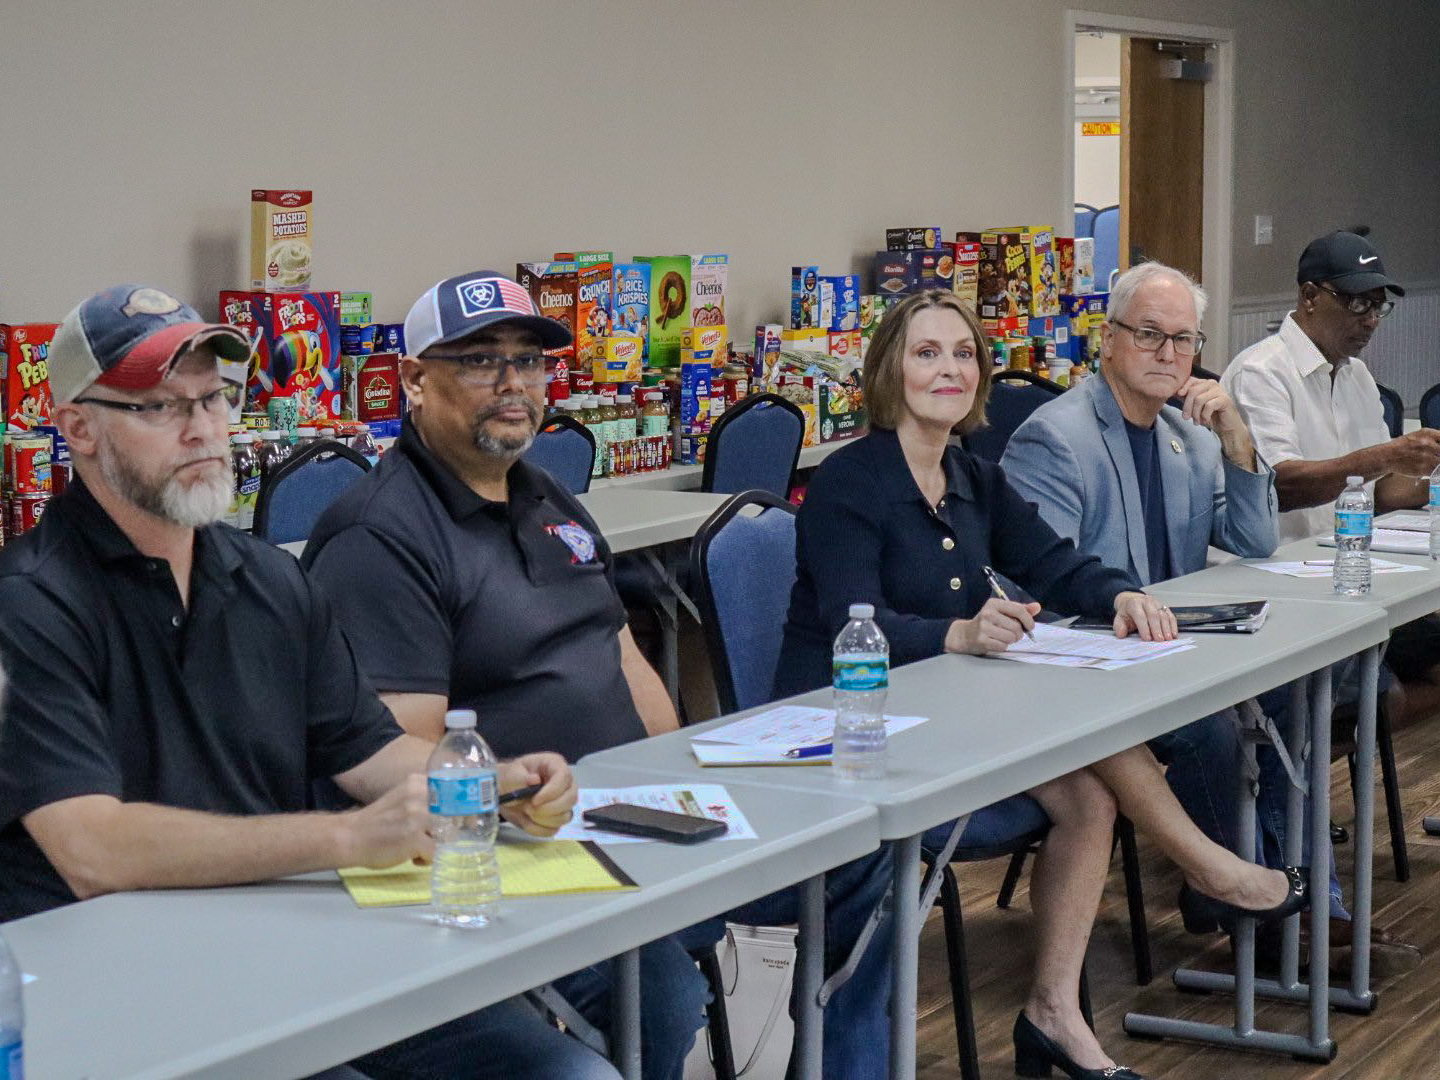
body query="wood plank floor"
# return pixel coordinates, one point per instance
(1400, 1041)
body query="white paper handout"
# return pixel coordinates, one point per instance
(697, 800)
(1400, 541)
(1324, 568)
(767, 737)
(1063, 647)
(1407, 520)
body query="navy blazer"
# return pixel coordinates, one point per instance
(866, 534)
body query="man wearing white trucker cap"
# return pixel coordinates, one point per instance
(175, 685)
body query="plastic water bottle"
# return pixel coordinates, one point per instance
(465, 814)
(861, 672)
(12, 1017)
(1354, 520)
(1435, 513)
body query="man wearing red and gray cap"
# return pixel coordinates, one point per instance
(175, 686)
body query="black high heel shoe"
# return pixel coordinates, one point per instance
(1225, 913)
(1036, 1054)
(1194, 913)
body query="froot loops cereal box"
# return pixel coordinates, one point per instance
(296, 343)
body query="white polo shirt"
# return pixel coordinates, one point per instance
(1296, 412)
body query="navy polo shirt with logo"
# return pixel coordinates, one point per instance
(506, 608)
(230, 705)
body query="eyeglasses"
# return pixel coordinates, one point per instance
(1360, 305)
(1148, 339)
(485, 368)
(173, 411)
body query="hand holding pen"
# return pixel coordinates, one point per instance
(995, 627)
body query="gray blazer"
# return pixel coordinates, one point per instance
(1072, 459)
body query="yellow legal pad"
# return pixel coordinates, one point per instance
(526, 869)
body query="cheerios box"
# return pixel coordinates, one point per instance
(281, 236)
(552, 286)
(297, 353)
(25, 354)
(669, 306)
(708, 274)
(630, 300)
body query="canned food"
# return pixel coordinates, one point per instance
(24, 513)
(30, 465)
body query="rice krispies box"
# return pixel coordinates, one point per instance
(631, 301)
(25, 354)
(296, 341)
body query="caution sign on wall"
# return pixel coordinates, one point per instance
(1102, 127)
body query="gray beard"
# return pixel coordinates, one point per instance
(202, 503)
(505, 448)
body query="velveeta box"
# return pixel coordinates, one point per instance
(708, 274)
(912, 238)
(25, 353)
(669, 306)
(620, 359)
(630, 301)
(281, 225)
(966, 281)
(552, 286)
(804, 297)
(709, 344)
(811, 339)
(299, 353)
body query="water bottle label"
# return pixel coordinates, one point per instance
(456, 796)
(861, 674)
(12, 1061)
(1352, 523)
(1435, 495)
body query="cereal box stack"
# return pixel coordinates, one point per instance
(296, 350)
(25, 352)
(552, 286)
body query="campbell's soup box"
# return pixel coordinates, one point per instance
(281, 222)
(25, 352)
(298, 349)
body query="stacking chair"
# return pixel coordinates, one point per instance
(293, 497)
(1014, 395)
(1430, 407)
(1107, 245)
(744, 568)
(1394, 409)
(754, 445)
(565, 448)
(1085, 219)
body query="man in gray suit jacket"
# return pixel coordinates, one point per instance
(1147, 487)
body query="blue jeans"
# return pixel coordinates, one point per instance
(991, 826)
(1203, 770)
(508, 1041)
(673, 996)
(857, 1018)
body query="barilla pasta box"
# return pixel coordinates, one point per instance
(897, 273)
(912, 238)
(966, 281)
(631, 302)
(767, 352)
(846, 312)
(707, 289)
(281, 235)
(804, 297)
(298, 353)
(620, 359)
(669, 306)
(371, 387)
(552, 286)
(25, 353)
(356, 309)
(594, 285)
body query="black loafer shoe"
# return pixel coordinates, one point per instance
(1297, 898)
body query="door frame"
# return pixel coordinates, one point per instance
(1218, 202)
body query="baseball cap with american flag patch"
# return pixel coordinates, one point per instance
(466, 303)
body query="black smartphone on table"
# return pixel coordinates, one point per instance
(654, 824)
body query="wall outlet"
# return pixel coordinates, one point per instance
(1264, 229)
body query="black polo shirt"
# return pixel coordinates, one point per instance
(505, 608)
(115, 688)
(865, 534)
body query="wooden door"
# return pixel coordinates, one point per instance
(1162, 158)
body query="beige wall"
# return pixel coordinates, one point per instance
(449, 134)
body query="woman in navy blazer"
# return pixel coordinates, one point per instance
(904, 520)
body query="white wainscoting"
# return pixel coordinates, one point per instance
(1404, 353)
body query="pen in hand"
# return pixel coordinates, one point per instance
(520, 793)
(1000, 593)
